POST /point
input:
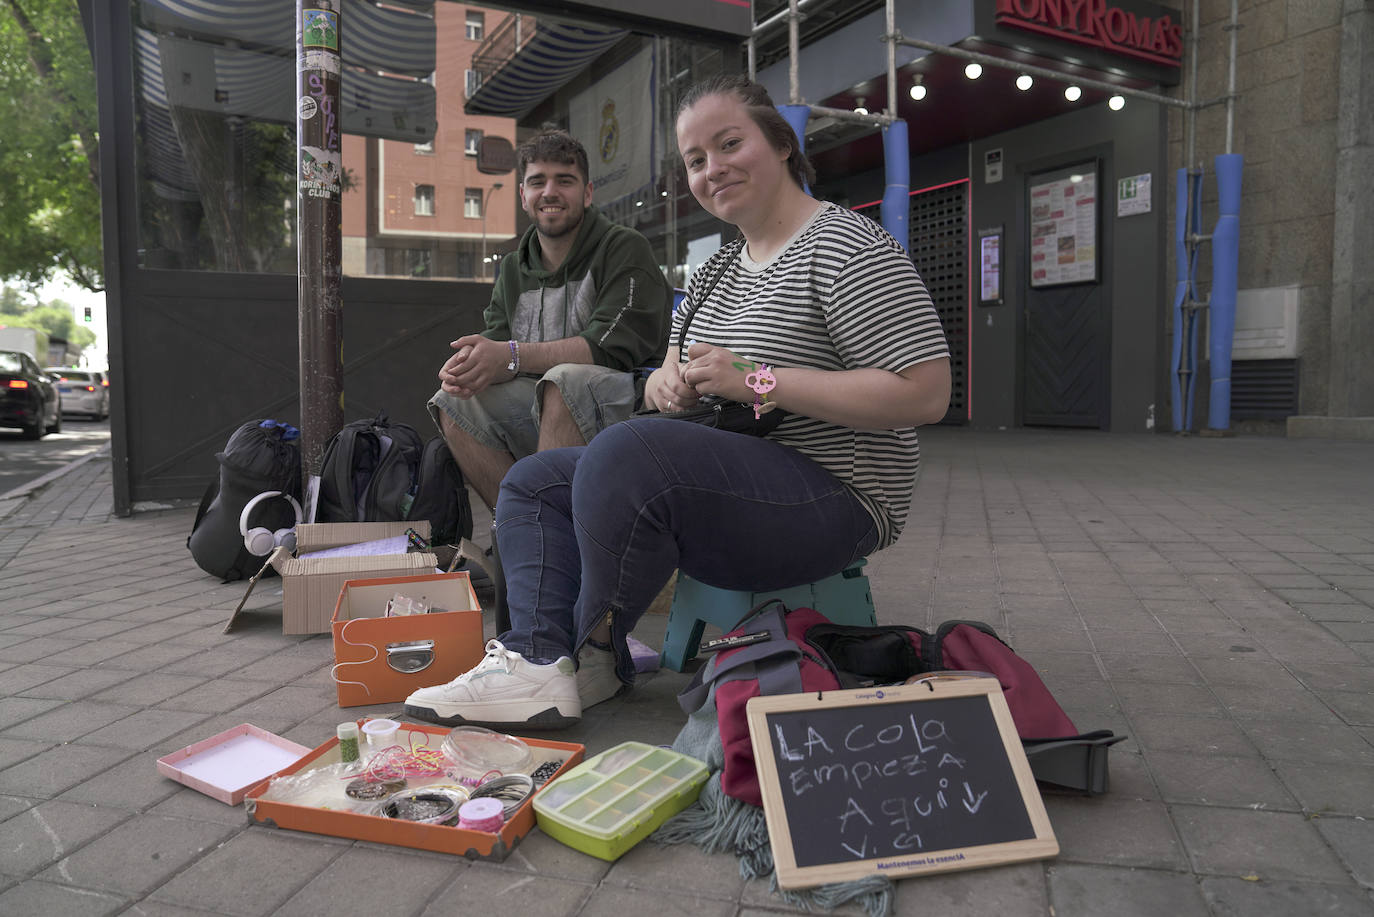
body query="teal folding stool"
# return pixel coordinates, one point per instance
(844, 598)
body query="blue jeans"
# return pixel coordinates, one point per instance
(598, 529)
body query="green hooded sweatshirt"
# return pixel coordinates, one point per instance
(608, 290)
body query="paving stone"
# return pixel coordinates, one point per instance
(17, 710)
(528, 895)
(13, 805)
(356, 883)
(154, 658)
(1202, 735)
(1114, 832)
(1018, 890)
(1089, 891)
(57, 769)
(1139, 698)
(79, 683)
(1353, 841)
(20, 678)
(91, 653)
(610, 899)
(678, 869)
(1338, 789)
(133, 784)
(143, 729)
(1313, 743)
(1242, 898)
(218, 695)
(185, 802)
(1243, 842)
(539, 854)
(1218, 780)
(140, 854)
(1287, 702)
(148, 690)
(49, 831)
(280, 864)
(45, 898)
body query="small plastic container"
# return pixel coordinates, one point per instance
(474, 752)
(611, 802)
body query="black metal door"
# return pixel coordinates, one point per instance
(1065, 319)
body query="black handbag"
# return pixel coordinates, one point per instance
(714, 411)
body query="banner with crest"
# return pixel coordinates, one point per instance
(614, 118)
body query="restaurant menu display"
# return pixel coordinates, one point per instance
(1064, 229)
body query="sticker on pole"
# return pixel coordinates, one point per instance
(320, 29)
(320, 173)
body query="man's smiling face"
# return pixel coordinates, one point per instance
(556, 196)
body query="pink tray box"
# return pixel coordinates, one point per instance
(226, 766)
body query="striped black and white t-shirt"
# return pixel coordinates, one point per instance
(842, 294)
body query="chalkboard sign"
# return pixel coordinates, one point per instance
(894, 781)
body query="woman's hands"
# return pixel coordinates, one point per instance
(709, 370)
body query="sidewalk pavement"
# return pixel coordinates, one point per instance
(1211, 598)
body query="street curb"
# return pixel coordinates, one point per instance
(23, 490)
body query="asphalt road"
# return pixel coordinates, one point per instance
(24, 460)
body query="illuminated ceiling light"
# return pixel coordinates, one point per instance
(1024, 82)
(859, 106)
(1116, 103)
(918, 88)
(973, 70)
(1073, 93)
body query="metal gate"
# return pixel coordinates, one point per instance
(939, 247)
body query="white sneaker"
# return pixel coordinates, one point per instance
(596, 678)
(503, 690)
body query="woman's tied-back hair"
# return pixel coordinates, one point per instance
(765, 114)
(552, 145)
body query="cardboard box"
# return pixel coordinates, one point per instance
(310, 585)
(227, 765)
(380, 660)
(375, 828)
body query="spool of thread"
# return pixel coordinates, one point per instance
(348, 742)
(380, 734)
(483, 814)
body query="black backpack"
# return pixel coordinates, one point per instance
(377, 471)
(261, 455)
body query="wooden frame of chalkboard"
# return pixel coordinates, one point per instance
(895, 781)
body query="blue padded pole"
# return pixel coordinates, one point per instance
(1183, 266)
(1225, 265)
(1195, 226)
(797, 116)
(895, 208)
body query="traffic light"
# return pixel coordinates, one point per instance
(87, 316)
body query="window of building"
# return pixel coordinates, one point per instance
(425, 149)
(472, 203)
(470, 140)
(472, 81)
(476, 25)
(424, 200)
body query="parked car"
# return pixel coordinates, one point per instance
(84, 391)
(28, 396)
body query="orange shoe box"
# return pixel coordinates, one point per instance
(439, 838)
(380, 660)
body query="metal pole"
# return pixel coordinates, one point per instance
(793, 53)
(319, 239)
(1234, 29)
(890, 39)
(1191, 116)
(486, 202)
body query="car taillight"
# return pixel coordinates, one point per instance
(90, 388)
(104, 383)
(19, 383)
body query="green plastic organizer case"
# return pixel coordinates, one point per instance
(612, 801)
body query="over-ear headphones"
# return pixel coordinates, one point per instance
(261, 541)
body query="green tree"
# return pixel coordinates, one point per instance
(49, 166)
(54, 317)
